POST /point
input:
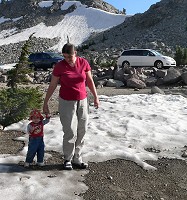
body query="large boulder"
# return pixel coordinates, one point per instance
(173, 76)
(135, 83)
(114, 83)
(184, 77)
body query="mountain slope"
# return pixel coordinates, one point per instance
(77, 25)
(162, 27)
(72, 19)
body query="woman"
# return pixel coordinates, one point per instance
(73, 73)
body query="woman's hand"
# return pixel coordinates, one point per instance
(92, 88)
(46, 109)
(52, 86)
(96, 102)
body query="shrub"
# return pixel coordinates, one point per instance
(108, 64)
(16, 104)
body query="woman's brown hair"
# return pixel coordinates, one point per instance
(69, 49)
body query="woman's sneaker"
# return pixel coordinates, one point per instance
(184, 155)
(79, 165)
(67, 165)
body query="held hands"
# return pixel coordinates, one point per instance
(47, 115)
(46, 109)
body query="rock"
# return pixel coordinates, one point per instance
(172, 76)
(114, 83)
(184, 77)
(155, 90)
(160, 73)
(151, 81)
(135, 83)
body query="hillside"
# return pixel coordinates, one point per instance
(161, 27)
(51, 22)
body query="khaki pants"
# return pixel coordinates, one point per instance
(74, 119)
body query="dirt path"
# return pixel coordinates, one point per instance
(124, 180)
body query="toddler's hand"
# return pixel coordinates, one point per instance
(47, 115)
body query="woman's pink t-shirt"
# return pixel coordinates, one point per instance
(72, 79)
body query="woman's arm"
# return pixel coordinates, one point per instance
(52, 86)
(92, 88)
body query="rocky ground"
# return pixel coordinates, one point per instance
(118, 179)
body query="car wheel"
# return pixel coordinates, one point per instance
(125, 64)
(158, 64)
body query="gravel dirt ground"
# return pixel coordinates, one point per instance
(117, 179)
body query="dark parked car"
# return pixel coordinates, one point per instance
(44, 60)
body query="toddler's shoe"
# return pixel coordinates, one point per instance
(40, 164)
(26, 165)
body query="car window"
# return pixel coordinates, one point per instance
(156, 53)
(38, 56)
(133, 53)
(136, 53)
(55, 55)
(32, 56)
(151, 53)
(45, 56)
(126, 53)
(130, 53)
(145, 53)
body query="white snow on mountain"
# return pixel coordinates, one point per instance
(77, 25)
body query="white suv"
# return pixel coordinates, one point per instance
(144, 58)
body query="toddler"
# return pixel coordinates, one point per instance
(36, 142)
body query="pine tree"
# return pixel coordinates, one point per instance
(68, 41)
(18, 73)
(103, 38)
(185, 56)
(17, 102)
(179, 55)
(124, 11)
